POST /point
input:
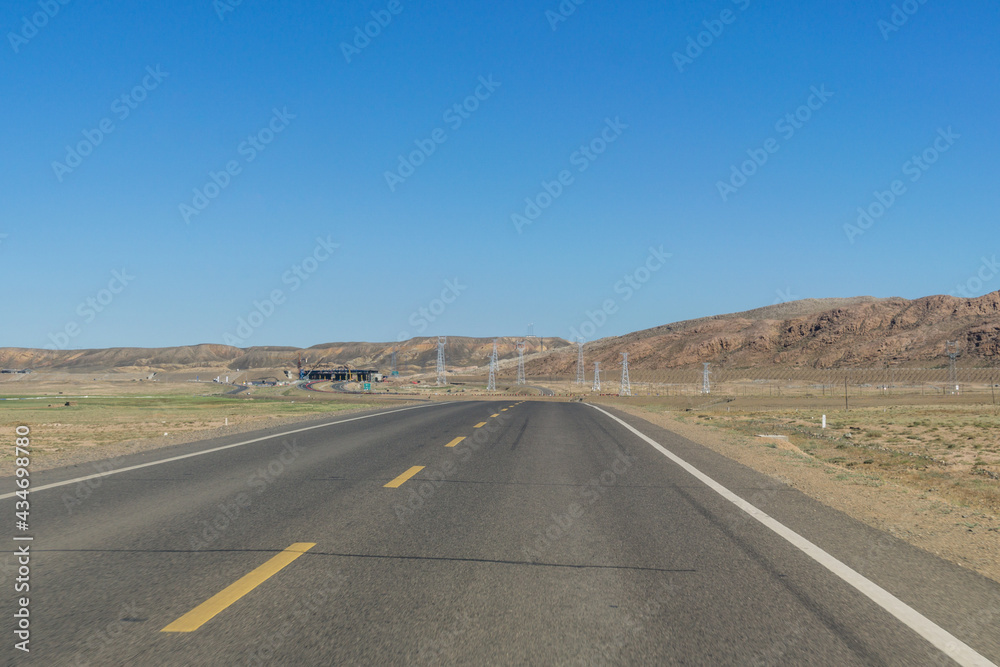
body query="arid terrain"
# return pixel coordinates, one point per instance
(76, 419)
(911, 446)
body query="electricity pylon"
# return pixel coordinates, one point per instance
(491, 385)
(626, 388)
(951, 346)
(597, 376)
(520, 362)
(580, 379)
(705, 386)
(442, 378)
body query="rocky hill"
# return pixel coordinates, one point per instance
(816, 333)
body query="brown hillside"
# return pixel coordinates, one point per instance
(413, 355)
(817, 333)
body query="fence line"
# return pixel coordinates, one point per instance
(777, 381)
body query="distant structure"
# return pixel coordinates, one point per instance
(491, 385)
(626, 388)
(597, 376)
(394, 371)
(520, 362)
(442, 378)
(951, 346)
(705, 386)
(531, 330)
(580, 379)
(342, 374)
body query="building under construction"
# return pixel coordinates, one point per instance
(341, 374)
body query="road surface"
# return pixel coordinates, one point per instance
(546, 533)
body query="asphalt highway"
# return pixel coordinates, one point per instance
(511, 532)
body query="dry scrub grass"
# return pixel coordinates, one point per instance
(92, 428)
(952, 451)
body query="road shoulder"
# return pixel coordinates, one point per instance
(923, 520)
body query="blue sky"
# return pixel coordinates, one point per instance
(310, 129)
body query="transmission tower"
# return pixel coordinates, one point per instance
(520, 362)
(442, 377)
(705, 386)
(580, 379)
(626, 388)
(393, 370)
(951, 347)
(597, 376)
(491, 385)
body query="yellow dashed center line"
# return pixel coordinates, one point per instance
(216, 604)
(455, 441)
(398, 482)
(480, 425)
(495, 415)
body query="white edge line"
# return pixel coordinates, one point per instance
(943, 640)
(36, 489)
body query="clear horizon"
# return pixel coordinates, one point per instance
(381, 170)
